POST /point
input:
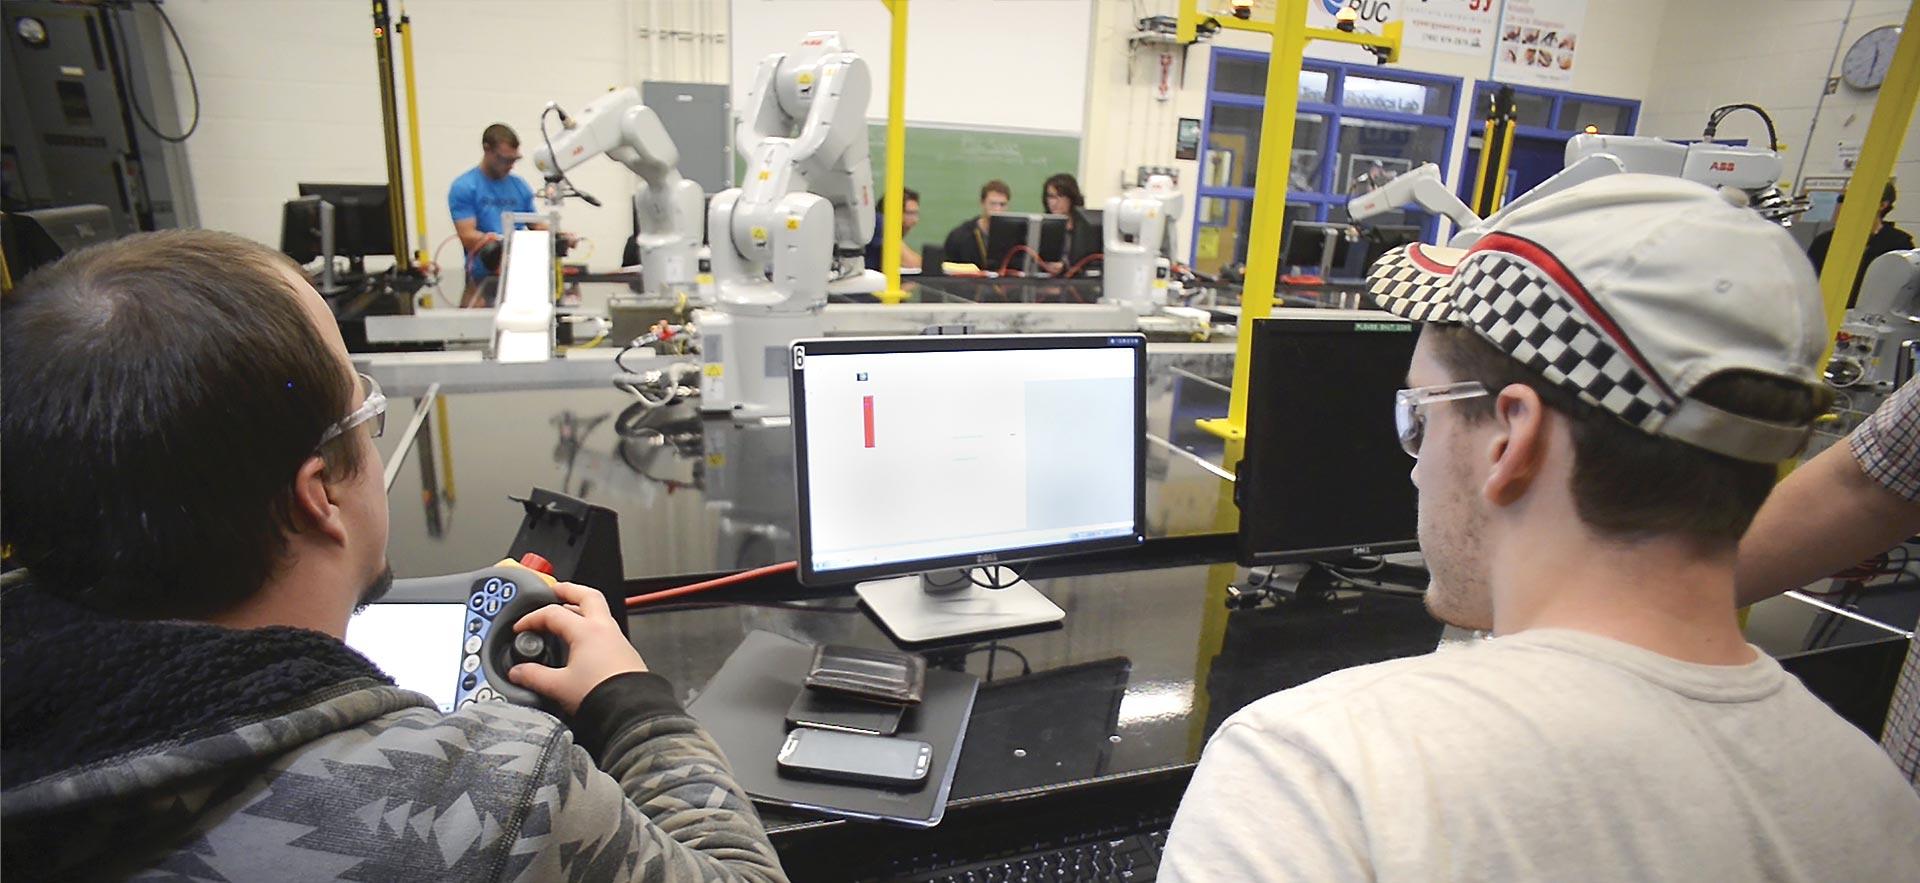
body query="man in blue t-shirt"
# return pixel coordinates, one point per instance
(479, 196)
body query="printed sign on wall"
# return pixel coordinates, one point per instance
(1460, 26)
(1539, 40)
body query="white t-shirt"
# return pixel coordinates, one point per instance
(1547, 755)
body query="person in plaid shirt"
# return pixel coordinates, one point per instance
(1846, 505)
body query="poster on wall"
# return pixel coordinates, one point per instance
(1186, 139)
(1539, 40)
(1460, 26)
(1370, 16)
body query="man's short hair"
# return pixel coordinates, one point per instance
(1630, 484)
(907, 194)
(995, 186)
(158, 394)
(498, 134)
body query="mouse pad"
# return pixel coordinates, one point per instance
(745, 707)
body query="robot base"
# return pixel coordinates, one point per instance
(744, 369)
(931, 607)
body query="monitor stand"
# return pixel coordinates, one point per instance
(946, 604)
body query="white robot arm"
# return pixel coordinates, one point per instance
(1422, 187)
(795, 230)
(1135, 222)
(619, 126)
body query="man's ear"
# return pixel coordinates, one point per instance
(314, 505)
(1519, 450)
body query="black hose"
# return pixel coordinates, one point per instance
(193, 82)
(1720, 113)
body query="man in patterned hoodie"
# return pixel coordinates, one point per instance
(192, 486)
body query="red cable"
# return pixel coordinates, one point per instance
(1014, 252)
(719, 582)
(1099, 256)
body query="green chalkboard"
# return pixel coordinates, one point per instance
(948, 166)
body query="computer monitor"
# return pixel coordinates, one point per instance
(1323, 477)
(362, 225)
(1007, 230)
(301, 235)
(1053, 237)
(1381, 239)
(1306, 247)
(33, 239)
(921, 459)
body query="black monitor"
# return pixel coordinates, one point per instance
(1324, 477)
(300, 233)
(925, 463)
(1005, 231)
(1306, 243)
(33, 239)
(1053, 237)
(362, 224)
(1381, 239)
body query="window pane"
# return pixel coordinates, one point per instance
(1531, 109)
(1393, 95)
(1248, 76)
(1233, 146)
(1220, 231)
(1241, 76)
(1373, 153)
(1611, 119)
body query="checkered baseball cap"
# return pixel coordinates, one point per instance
(1630, 291)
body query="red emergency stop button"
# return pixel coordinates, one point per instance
(535, 562)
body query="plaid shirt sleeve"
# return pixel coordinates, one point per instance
(1887, 443)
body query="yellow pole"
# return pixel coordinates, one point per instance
(420, 257)
(895, 198)
(1290, 34)
(1500, 169)
(1892, 114)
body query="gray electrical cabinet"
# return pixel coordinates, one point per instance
(81, 91)
(699, 116)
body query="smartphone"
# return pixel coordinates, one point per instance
(827, 711)
(851, 757)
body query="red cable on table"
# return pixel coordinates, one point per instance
(716, 583)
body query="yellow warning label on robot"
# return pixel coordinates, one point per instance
(1159, 284)
(804, 79)
(763, 175)
(716, 460)
(703, 279)
(716, 369)
(793, 223)
(759, 234)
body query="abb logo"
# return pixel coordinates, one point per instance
(1722, 166)
(579, 149)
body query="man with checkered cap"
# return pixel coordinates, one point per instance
(1604, 386)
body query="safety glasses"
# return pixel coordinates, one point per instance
(1410, 419)
(373, 410)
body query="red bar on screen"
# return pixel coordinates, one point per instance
(866, 405)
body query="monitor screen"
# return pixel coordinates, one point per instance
(1324, 476)
(1306, 243)
(362, 223)
(925, 453)
(417, 644)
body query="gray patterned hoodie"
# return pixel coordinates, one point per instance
(185, 751)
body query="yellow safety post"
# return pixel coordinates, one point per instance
(420, 257)
(1290, 35)
(1892, 114)
(446, 448)
(895, 199)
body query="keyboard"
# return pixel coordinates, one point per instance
(1112, 857)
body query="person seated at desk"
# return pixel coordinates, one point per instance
(909, 218)
(1062, 196)
(967, 243)
(1586, 470)
(193, 489)
(1884, 237)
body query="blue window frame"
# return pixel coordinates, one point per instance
(1361, 116)
(1549, 113)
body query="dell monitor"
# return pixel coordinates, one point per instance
(362, 224)
(919, 460)
(1324, 477)
(1307, 247)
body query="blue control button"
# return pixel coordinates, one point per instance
(493, 586)
(493, 607)
(508, 590)
(468, 682)
(477, 601)
(475, 624)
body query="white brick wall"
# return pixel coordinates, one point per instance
(1777, 54)
(290, 95)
